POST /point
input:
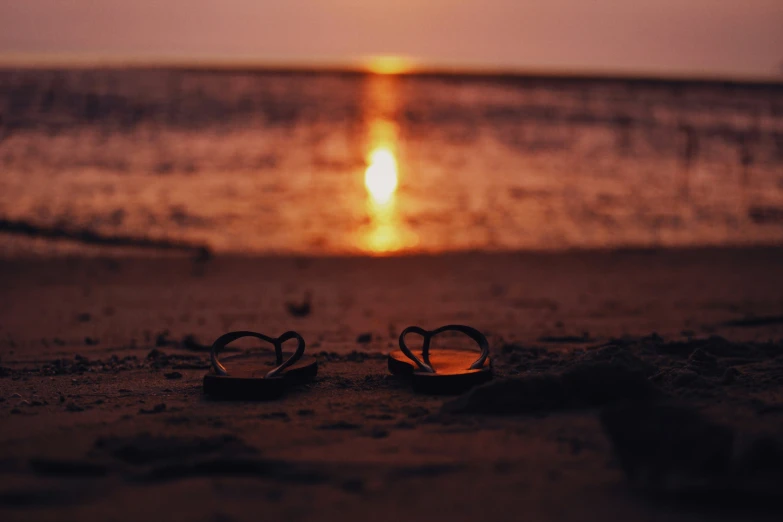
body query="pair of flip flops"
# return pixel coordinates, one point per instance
(445, 371)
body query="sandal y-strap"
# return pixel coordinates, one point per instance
(265, 376)
(446, 370)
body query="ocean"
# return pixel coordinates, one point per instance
(345, 163)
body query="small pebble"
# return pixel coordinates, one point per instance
(353, 485)
(158, 408)
(173, 375)
(275, 415)
(379, 433)
(364, 338)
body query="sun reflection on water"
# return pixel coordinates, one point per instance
(380, 178)
(383, 235)
(385, 232)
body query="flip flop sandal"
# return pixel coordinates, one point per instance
(254, 380)
(450, 371)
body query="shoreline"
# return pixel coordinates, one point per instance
(109, 247)
(226, 65)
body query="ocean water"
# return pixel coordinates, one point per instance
(258, 162)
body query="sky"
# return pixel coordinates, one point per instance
(690, 37)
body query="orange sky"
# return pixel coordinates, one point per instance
(724, 37)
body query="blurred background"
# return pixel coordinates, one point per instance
(371, 128)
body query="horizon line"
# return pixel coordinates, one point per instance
(397, 66)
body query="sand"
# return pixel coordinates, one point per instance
(599, 356)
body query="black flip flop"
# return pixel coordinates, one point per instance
(453, 371)
(254, 380)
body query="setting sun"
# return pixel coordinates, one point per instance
(381, 175)
(389, 64)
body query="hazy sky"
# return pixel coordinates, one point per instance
(680, 36)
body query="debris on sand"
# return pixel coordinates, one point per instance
(672, 451)
(189, 342)
(162, 339)
(301, 309)
(158, 408)
(157, 359)
(567, 339)
(364, 338)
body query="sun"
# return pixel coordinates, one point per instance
(389, 64)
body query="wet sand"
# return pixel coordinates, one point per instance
(103, 417)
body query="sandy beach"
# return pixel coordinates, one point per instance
(571, 211)
(103, 415)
